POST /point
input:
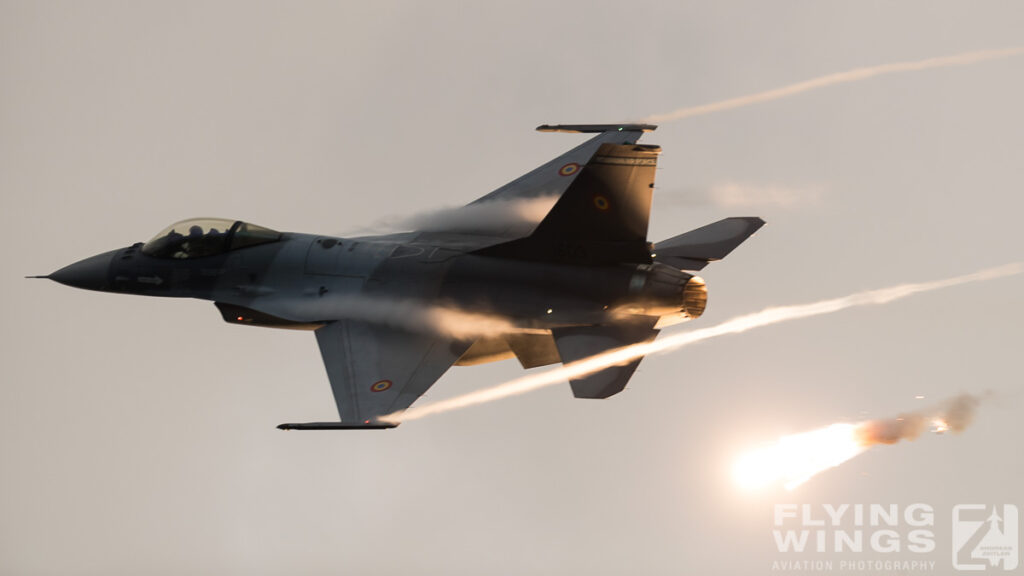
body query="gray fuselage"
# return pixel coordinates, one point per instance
(304, 280)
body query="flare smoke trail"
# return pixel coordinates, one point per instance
(739, 324)
(854, 75)
(794, 459)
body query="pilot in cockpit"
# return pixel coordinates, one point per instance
(207, 237)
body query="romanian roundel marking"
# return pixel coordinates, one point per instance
(380, 385)
(569, 169)
(601, 203)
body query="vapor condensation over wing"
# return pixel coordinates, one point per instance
(419, 316)
(736, 325)
(415, 315)
(514, 215)
(506, 217)
(833, 79)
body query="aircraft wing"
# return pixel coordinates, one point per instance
(378, 370)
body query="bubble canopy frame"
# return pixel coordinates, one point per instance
(202, 237)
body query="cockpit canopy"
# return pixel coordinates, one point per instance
(201, 237)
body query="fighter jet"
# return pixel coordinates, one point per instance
(582, 280)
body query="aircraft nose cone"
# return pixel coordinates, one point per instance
(93, 273)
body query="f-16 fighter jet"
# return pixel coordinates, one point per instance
(582, 280)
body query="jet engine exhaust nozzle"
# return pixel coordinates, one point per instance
(695, 297)
(657, 289)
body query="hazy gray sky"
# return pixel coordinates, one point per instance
(138, 434)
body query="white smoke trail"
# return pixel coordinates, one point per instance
(854, 75)
(733, 194)
(739, 324)
(744, 194)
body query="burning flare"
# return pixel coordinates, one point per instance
(792, 460)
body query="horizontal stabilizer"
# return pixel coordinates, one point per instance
(593, 128)
(579, 342)
(694, 249)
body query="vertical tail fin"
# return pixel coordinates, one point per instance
(555, 176)
(602, 216)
